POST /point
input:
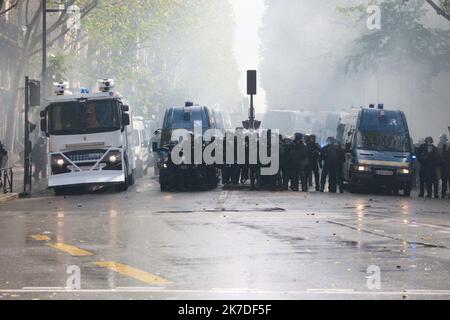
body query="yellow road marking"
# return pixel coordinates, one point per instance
(131, 272)
(73, 251)
(40, 237)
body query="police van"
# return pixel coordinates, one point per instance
(89, 138)
(378, 149)
(187, 117)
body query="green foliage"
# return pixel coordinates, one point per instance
(402, 41)
(163, 52)
(57, 67)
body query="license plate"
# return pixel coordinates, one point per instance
(385, 173)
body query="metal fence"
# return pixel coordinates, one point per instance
(6, 180)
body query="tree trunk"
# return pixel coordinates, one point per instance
(15, 105)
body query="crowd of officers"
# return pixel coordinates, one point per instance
(434, 167)
(303, 164)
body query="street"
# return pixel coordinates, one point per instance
(144, 244)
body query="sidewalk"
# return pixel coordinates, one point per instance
(8, 197)
(37, 186)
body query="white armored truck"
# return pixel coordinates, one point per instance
(89, 139)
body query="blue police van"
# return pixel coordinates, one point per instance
(378, 150)
(186, 117)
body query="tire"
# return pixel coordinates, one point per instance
(407, 191)
(60, 192)
(123, 186)
(132, 178)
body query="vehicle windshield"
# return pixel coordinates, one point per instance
(186, 119)
(384, 141)
(385, 131)
(68, 118)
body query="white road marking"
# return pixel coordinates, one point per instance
(228, 291)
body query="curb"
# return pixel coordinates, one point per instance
(8, 197)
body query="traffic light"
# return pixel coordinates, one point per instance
(35, 93)
(251, 82)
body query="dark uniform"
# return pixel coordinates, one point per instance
(3, 156)
(445, 169)
(285, 149)
(313, 166)
(340, 167)
(428, 157)
(226, 168)
(297, 160)
(39, 157)
(325, 163)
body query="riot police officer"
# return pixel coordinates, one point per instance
(39, 156)
(297, 157)
(285, 149)
(428, 157)
(325, 162)
(313, 167)
(3, 156)
(340, 161)
(444, 150)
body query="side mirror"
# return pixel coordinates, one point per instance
(155, 146)
(125, 119)
(125, 108)
(44, 125)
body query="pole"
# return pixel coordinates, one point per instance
(252, 113)
(44, 49)
(27, 162)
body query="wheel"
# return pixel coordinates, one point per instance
(124, 185)
(60, 191)
(407, 191)
(132, 178)
(163, 187)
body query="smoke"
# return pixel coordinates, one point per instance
(305, 50)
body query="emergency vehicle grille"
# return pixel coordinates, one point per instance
(77, 157)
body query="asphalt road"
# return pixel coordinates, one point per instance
(143, 244)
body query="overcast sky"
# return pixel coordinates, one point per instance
(249, 14)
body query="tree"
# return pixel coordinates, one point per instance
(11, 7)
(443, 8)
(403, 40)
(29, 20)
(164, 52)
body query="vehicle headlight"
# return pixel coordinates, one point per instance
(404, 171)
(113, 158)
(363, 168)
(58, 161)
